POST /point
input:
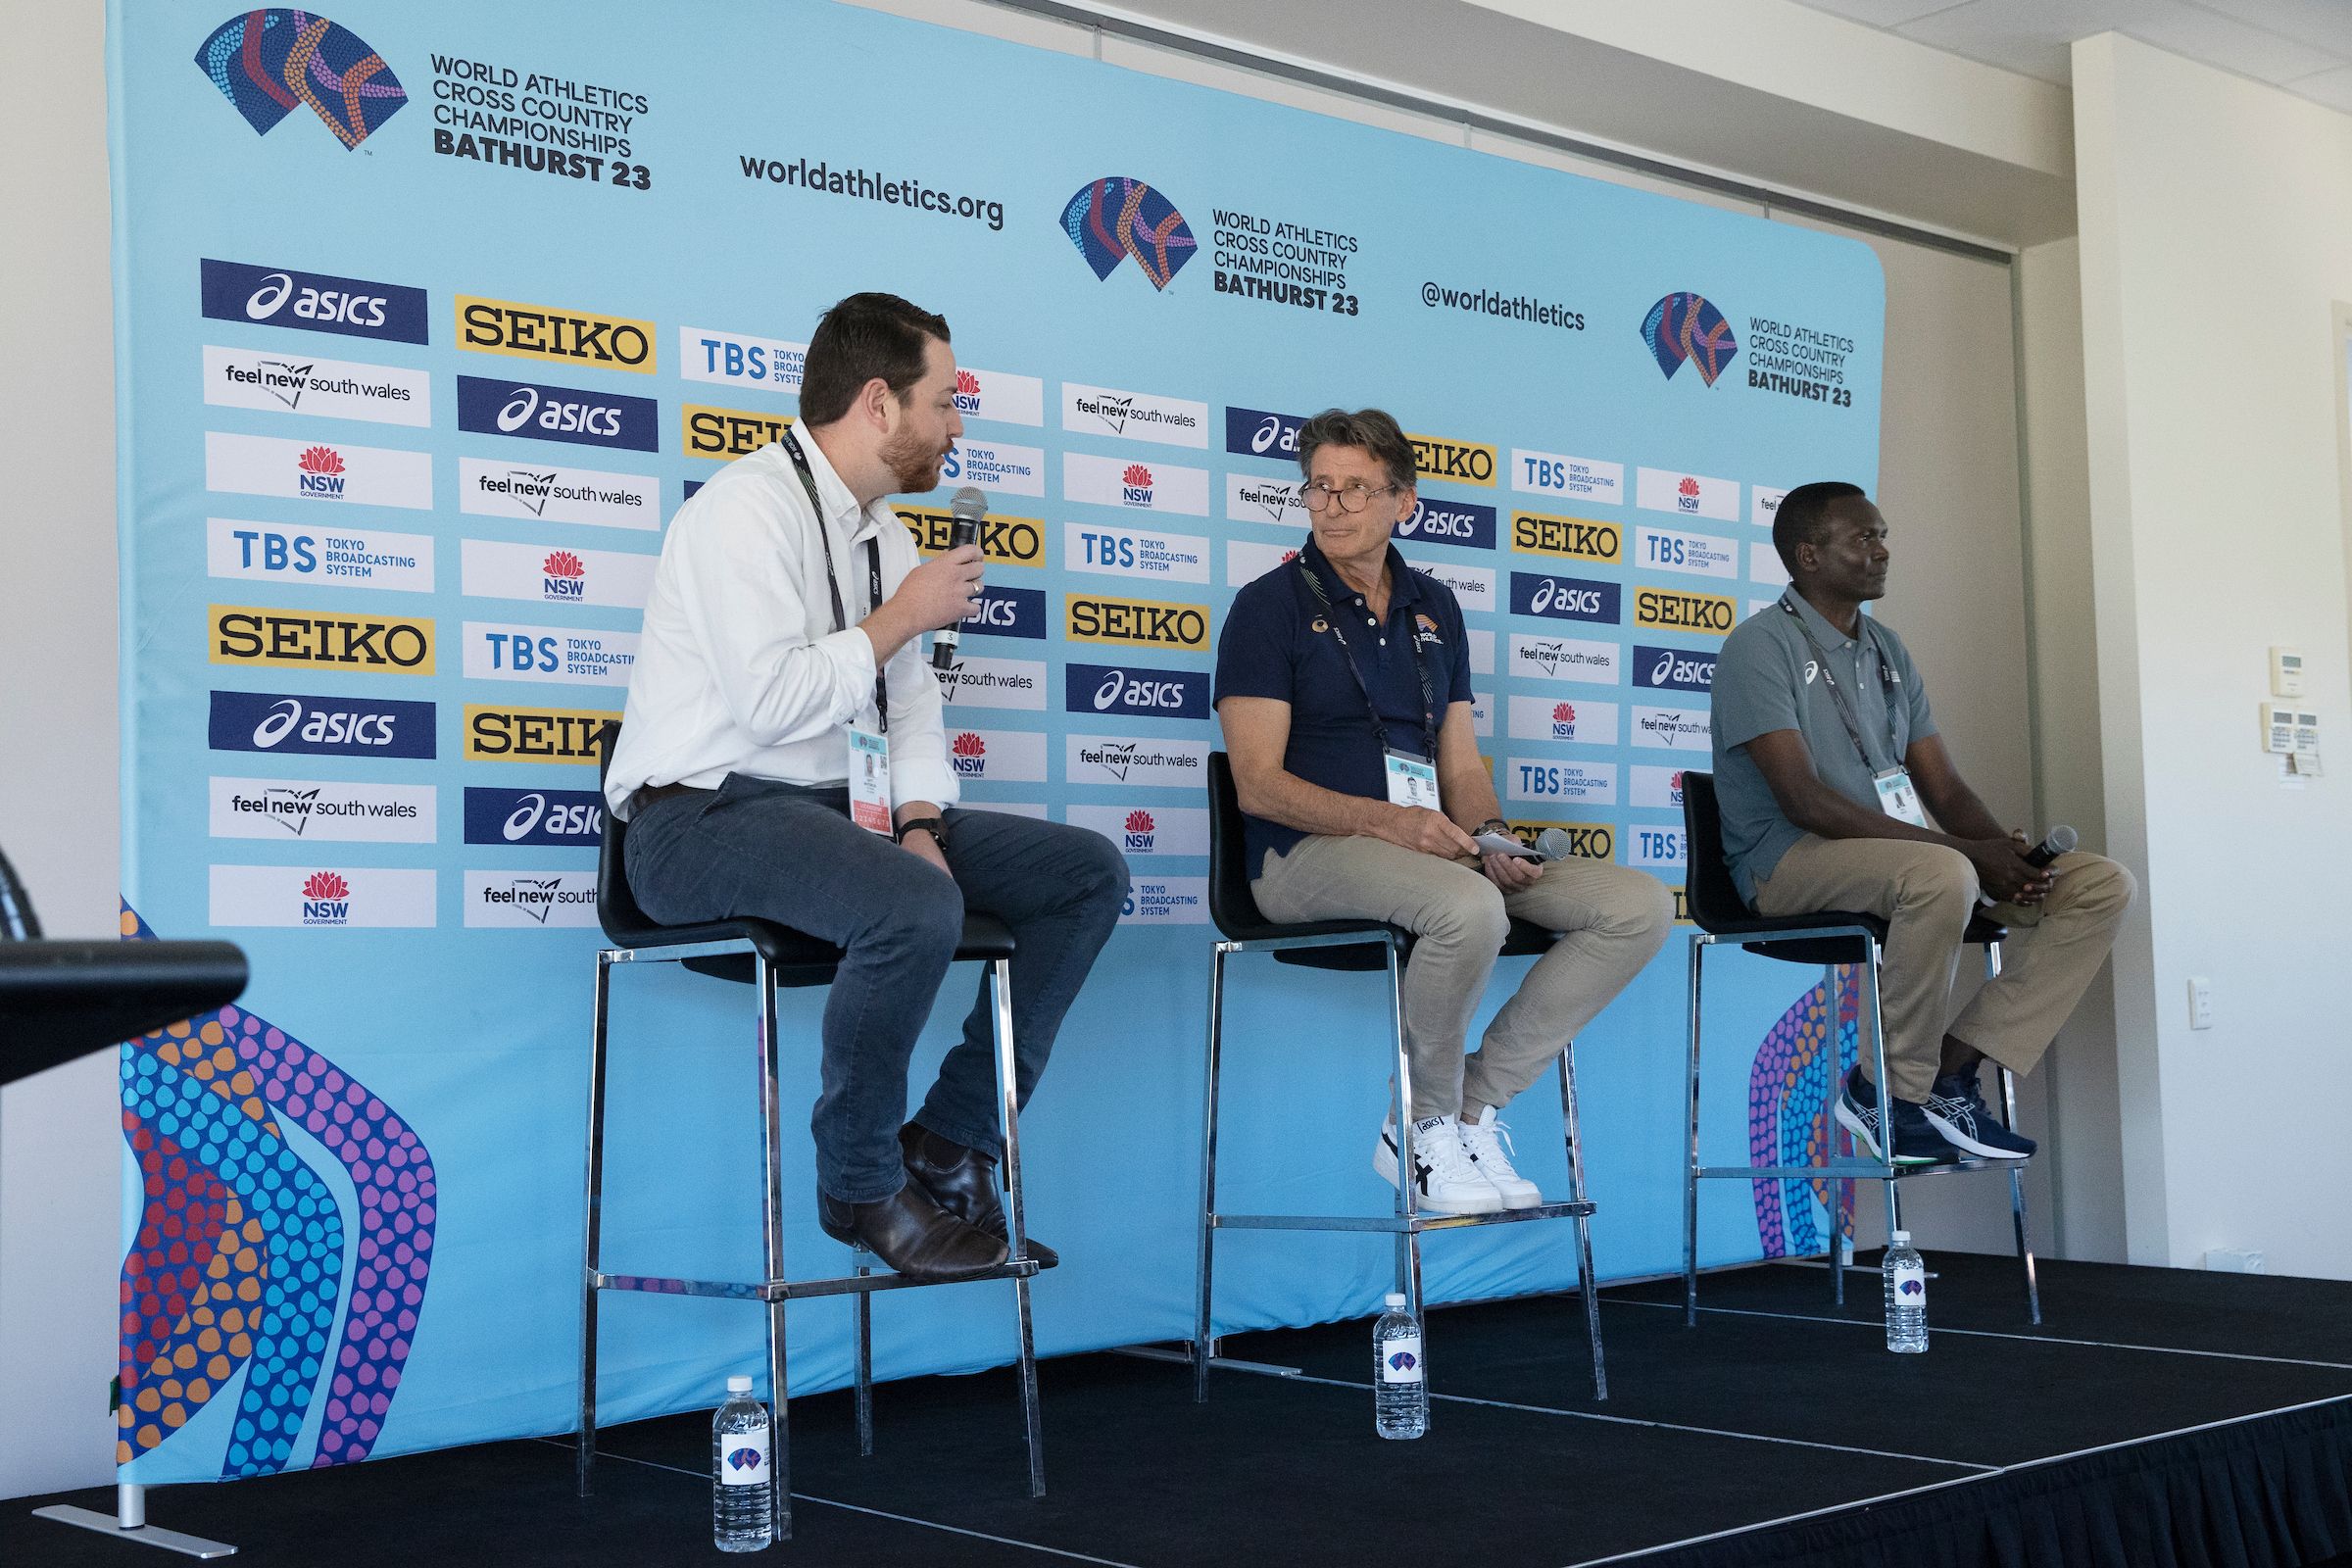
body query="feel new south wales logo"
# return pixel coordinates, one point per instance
(1112, 218)
(269, 62)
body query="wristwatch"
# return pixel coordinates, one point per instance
(937, 827)
(1493, 824)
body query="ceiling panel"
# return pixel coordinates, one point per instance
(2286, 42)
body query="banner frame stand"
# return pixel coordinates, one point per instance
(129, 1522)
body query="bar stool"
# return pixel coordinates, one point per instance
(1362, 947)
(768, 956)
(1828, 937)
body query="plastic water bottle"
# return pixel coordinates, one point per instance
(1905, 1274)
(1400, 1396)
(743, 1516)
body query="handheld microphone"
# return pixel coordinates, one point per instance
(1553, 844)
(968, 509)
(2057, 842)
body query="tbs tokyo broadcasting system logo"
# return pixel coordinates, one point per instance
(266, 62)
(1112, 218)
(1685, 328)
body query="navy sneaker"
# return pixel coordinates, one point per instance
(1956, 1105)
(1917, 1140)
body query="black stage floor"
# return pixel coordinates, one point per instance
(2158, 1417)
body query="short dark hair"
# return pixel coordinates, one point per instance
(1803, 515)
(1371, 429)
(865, 336)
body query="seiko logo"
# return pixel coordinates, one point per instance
(1662, 608)
(544, 333)
(314, 304)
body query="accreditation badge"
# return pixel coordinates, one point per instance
(870, 780)
(1898, 796)
(1413, 781)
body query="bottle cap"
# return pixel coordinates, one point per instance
(1395, 1299)
(739, 1384)
(1902, 1238)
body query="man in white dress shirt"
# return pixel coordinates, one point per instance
(782, 758)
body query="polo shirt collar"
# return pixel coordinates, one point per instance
(1830, 635)
(1404, 584)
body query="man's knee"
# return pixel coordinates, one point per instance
(1939, 880)
(922, 915)
(2098, 887)
(1643, 909)
(1470, 916)
(1101, 872)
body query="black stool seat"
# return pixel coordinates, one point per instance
(801, 960)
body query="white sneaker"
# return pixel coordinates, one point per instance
(1484, 1143)
(1446, 1181)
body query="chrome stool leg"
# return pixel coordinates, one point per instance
(772, 1200)
(1204, 1342)
(2017, 1205)
(591, 1252)
(1835, 1192)
(1408, 1241)
(863, 1378)
(1016, 1222)
(1586, 1285)
(1699, 947)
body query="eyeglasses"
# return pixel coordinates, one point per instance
(1356, 497)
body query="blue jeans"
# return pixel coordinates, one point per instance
(790, 853)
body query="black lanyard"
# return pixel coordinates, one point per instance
(1842, 702)
(873, 572)
(1428, 695)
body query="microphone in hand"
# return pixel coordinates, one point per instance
(2058, 841)
(965, 512)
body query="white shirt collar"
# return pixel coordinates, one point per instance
(840, 504)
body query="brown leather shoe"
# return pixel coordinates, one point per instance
(913, 1234)
(964, 1182)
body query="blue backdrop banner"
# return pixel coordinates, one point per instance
(429, 316)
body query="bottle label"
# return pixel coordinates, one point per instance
(743, 1457)
(1400, 1359)
(1911, 1284)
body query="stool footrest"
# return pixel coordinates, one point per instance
(797, 1289)
(1394, 1224)
(1857, 1170)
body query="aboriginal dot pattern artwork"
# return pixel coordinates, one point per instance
(1790, 1121)
(238, 1265)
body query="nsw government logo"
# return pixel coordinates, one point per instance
(266, 62)
(320, 473)
(325, 900)
(1112, 218)
(968, 754)
(1682, 328)
(1139, 835)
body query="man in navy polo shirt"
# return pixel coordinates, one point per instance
(1344, 689)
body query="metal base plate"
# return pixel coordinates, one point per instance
(146, 1534)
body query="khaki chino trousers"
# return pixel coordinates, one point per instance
(1926, 893)
(1612, 920)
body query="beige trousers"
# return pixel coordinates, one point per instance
(1611, 919)
(1925, 893)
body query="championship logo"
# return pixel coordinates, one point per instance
(1111, 219)
(266, 62)
(1684, 328)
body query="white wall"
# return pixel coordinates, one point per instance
(60, 1225)
(2216, 245)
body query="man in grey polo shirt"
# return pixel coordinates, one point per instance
(1828, 768)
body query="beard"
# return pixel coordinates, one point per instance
(914, 466)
